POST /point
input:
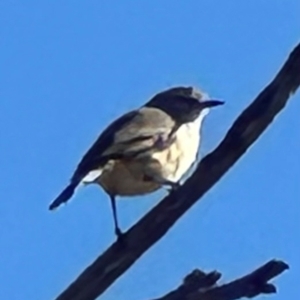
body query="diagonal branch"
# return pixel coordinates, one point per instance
(246, 129)
(202, 286)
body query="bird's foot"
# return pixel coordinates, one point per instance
(120, 237)
(173, 187)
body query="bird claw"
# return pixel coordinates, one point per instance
(173, 187)
(120, 237)
(118, 232)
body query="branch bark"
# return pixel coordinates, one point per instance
(246, 129)
(202, 286)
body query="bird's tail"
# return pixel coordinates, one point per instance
(64, 196)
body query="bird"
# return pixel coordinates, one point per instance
(144, 149)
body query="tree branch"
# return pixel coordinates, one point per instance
(202, 286)
(245, 130)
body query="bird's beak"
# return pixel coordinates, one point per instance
(211, 103)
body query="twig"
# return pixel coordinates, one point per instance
(201, 286)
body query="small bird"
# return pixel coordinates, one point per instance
(144, 149)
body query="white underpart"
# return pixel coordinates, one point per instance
(91, 176)
(189, 136)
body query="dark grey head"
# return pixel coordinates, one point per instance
(183, 104)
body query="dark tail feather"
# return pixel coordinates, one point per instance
(64, 196)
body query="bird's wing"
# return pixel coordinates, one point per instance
(135, 133)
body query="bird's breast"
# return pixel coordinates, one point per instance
(178, 159)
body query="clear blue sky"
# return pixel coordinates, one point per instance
(69, 67)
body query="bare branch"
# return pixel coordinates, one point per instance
(152, 227)
(201, 286)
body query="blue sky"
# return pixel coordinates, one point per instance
(69, 67)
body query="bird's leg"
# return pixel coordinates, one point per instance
(118, 231)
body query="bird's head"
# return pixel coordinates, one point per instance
(183, 104)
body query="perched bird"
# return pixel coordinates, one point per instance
(144, 149)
